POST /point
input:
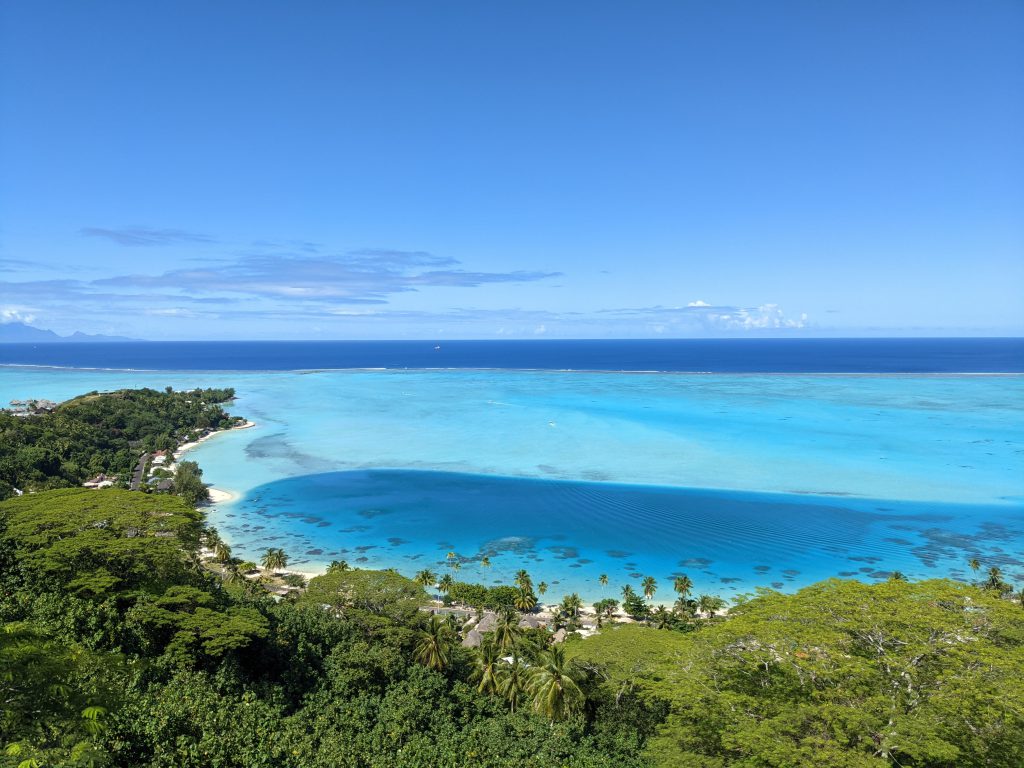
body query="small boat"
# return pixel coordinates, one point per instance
(437, 347)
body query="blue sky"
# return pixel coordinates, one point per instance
(479, 170)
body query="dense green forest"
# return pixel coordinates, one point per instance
(102, 433)
(119, 648)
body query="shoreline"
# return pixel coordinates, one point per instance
(220, 496)
(186, 447)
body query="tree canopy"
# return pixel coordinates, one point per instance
(841, 673)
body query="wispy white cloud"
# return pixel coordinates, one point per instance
(145, 236)
(358, 277)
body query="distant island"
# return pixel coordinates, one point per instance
(19, 333)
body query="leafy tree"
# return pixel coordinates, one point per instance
(188, 483)
(51, 711)
(382, 593)
(634, 605)
(840, 673)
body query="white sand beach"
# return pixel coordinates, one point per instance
(186, 447)
(221, 496)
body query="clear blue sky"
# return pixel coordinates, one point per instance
(318, 169)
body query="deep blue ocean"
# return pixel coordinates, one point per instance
(956, 355)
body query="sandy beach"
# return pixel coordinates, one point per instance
(186, 447)
(221, 496)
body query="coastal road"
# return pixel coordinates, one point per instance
(136, 482)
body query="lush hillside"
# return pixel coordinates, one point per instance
(119, 649)
(839, 674)
(101, 433)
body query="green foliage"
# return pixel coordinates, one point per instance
(188, 483)
(841, 673)
(385, 593)
(496, 598)
(97, 543)
(464, 593)
(101, 433)
(44, 683)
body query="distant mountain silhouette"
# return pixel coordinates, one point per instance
(20, 332)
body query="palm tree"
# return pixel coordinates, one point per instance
(507, 632)
(221, 551)
(610, 607)
(662, 618)
(555, 693)
(605, 607)
(897, 576)
(486, 672)
(512, 682)
(683, 607)
(603, 578)
(627, 592)
(485, 561)
(542, 587)
(338, 566)
(974, 564)
(274, 560)
(523, 580)
(451, 555)
(682, 585)
(525, 601)
(1020, 597)
(995, 578)
(232, 575)
(434, 649)
(425, 578)
(445, 583)
(456, 565)
(268, 559)
(571, 605)
(650, 587)
(710, 605)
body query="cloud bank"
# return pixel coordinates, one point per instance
(296, 289)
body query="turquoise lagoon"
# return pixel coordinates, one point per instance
(737, 480)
